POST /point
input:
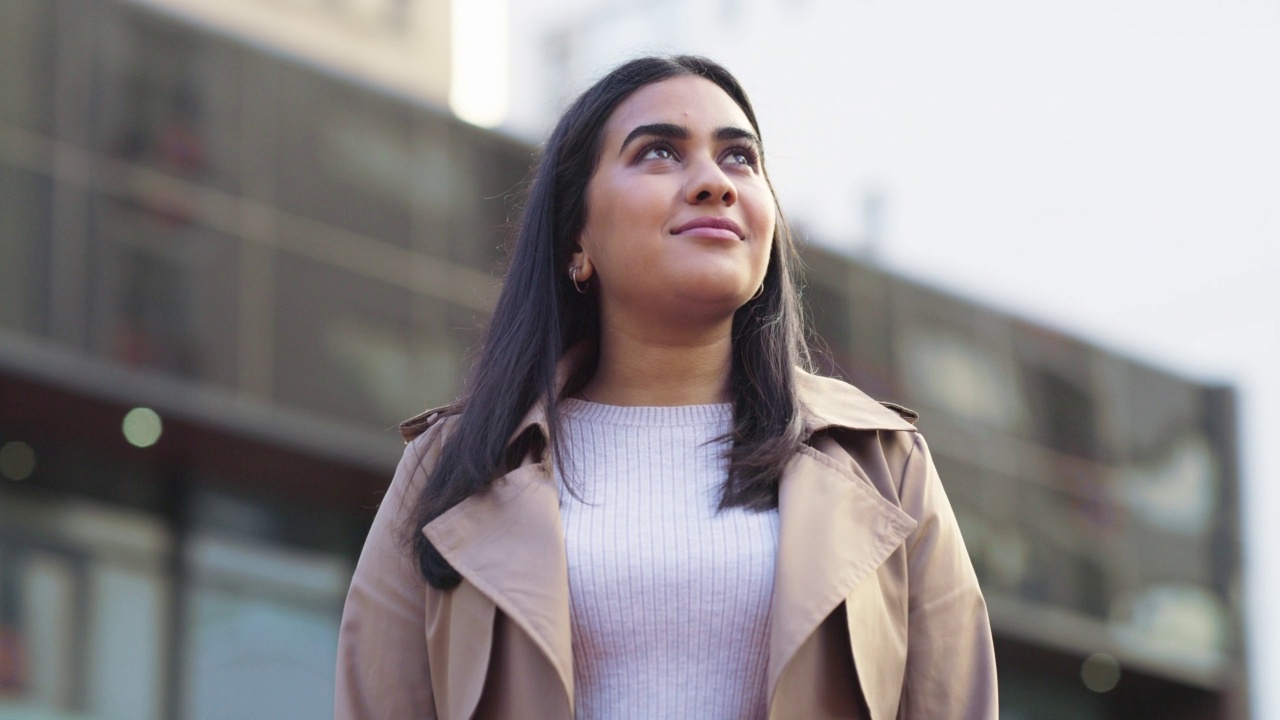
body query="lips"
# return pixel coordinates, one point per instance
(711, 226)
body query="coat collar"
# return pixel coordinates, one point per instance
(829, 403)
(835, 531)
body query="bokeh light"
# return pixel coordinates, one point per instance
(17, 460)
(142, 427)
(1100, 672)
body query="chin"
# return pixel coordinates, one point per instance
(724, 302)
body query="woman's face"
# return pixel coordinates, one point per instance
(679, 215)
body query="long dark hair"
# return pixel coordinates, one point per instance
(539, 315)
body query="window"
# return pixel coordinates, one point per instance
(26, 65)
(167, 98)
(24, 250)
(163, 291)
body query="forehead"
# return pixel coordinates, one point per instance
(694, 102)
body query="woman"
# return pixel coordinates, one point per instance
(642, 507)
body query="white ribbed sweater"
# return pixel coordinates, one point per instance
(669, 599)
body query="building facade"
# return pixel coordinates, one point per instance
(226, 272)
(273, 261)
(1098, 496)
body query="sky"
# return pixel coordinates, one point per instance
(1108, 169)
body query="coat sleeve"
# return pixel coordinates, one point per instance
(382, 654)
(951, 667)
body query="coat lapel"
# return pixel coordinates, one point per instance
(835, 530)
(509, 544)
(458, 669)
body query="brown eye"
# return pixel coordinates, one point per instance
(744, 156)
(658, 152)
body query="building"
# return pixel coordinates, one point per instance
(228, 269)
(1098, 496)
(275, 261)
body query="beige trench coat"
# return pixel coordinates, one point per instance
(876, 608)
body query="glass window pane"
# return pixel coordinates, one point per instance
(829, 310)
(49, 594)
(24, 250)
(485, 215)
(127, 611)
(345, 350)
(255, 659)
(26, 64)
(262, 630)
(82, 586)
(162, 291)
(344, 154)
(167, 98)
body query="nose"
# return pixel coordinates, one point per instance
(708, 183)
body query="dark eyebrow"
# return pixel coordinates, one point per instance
(679, 132)
(737, 133)
(663, 130)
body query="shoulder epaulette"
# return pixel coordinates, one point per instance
(907, 414)
(420, 423)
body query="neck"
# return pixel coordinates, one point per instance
(646, 368)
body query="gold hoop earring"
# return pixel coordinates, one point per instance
(759, 291)
(573, 275)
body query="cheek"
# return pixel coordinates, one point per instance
(758, 203)
(764, 250)
(764, 220)
(595, 230)
(623, 221)
(598, 231)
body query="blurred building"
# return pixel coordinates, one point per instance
(229, 267)
(272, 263)
(1098, 496)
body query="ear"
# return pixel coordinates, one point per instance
(581, 259)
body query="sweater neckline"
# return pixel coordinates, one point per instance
(714, 414)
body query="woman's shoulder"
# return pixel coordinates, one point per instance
(849, 426)
(830, 403)
(423, 440)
